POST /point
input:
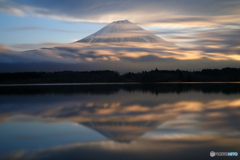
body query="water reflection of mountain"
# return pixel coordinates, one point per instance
(226, 88)
(121, 131)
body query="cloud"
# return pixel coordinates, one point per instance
(24, 28)
(202, 29)
(3, 48)
(133, 56)
(197, 21)
(107, 11)
(11, 8)
(32, 46)
(206, 29)
(41, 28)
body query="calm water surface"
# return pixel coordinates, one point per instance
(119, 122)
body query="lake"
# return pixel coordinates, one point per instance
(119, 121)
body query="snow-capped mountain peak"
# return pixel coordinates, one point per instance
(122, 31)
(122, 21)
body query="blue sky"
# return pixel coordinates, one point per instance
(33, 29)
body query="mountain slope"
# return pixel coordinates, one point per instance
(122, 31)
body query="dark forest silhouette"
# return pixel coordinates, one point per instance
(105, 76)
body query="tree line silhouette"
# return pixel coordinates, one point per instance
(106, 76)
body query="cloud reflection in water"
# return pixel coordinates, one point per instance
(132, 123)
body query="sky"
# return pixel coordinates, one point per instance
(206, 34)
